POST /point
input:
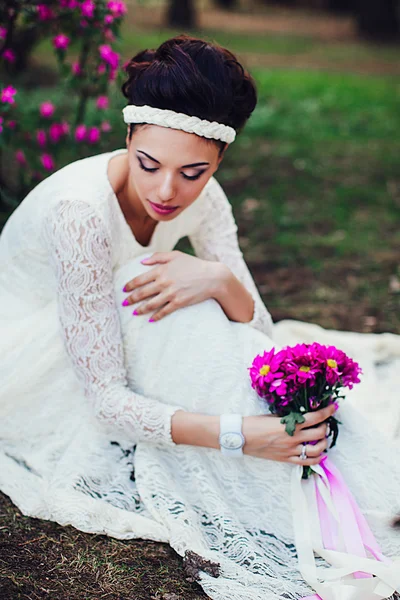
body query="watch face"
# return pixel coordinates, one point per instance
(231, 440)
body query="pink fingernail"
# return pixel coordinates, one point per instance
(151, 321)
(125, 302)
(124, 289)
(135, 312)
(142, 261)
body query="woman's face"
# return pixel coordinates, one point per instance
(168, 168)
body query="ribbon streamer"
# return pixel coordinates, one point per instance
(327, 521)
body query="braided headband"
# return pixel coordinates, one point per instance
(169, 118)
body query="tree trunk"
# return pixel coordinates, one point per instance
(378, 19)
(181, 13)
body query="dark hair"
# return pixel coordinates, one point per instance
(194, 77)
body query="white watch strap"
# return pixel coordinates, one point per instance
(231, 438)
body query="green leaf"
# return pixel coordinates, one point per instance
(291, 421)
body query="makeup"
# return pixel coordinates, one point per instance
(162, 211)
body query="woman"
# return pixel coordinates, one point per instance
(112, 423)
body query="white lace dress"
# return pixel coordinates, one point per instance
(88, 391)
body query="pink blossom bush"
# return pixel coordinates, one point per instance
(7, 94)
(102, 102)
(61, 41)
(47, 109)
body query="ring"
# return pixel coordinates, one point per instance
(303, 455)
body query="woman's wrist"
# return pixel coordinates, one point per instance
(194, 429)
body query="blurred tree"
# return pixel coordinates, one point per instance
(181, 13)
(341, 6)
(378, 19)
(226, 4)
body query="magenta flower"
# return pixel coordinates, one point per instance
(108, 19)
(12, 124)
(108, 55)
(9, 55)
(47, 162)
(88, 8)
(61, 42)
(80, 133)
(105, 126)
(71, 4)
(20, 157)
(7, 94)
(44, 12)
(76, 68)
(41, 138)
(93, 135)
(101, 69)
(265, 370)
(55, 132)
(102, 102)
(117, 8)
(3, 33)
(47, 109)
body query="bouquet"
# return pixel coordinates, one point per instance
(301, 379)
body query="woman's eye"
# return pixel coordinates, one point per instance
(141, 165)
(193, 177)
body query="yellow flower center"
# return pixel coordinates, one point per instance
(332, 363)
(305, 369)
(265, 370)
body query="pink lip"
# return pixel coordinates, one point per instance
(161, 210)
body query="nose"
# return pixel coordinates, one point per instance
(166, 190)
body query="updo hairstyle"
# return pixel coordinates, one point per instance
(194, 77)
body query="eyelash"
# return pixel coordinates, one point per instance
(141, 165)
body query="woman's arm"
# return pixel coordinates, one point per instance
(216, 239)
(80, 249)
(234, 298)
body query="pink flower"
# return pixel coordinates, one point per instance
(265, 370)
(41, 138)
(101, 69)
(69, 4)
(80, 133)
(108, 35)
(102, 102)
(3, 33)
(113, 74)
(108, 19)
(76, 68)
(64, 127)
(117, 8)
(12, 124)
(55, 132)
(47, 109)
(20, 157)
(47, 162)
(109, 56)
(44, 12)
(88, 8)
(9, 55)
(7, 94)
(93, 135)
(61, 41)
(105, 126)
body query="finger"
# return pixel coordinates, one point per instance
(308, 462)
(169, 308)
(313, 418)
(152, 305)
(309, 435)
(141, 280)
(312, 451)
(142, 293)
(158, 257)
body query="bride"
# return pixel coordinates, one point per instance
(125, 406)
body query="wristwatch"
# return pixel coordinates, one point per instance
(231, 438)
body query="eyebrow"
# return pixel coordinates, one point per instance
(199, 164)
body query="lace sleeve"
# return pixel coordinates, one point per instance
(216, 239)
(80, 250)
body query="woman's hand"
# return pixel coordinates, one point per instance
(266, 438)
(178, 280)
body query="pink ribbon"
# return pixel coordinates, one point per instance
(358, 536)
